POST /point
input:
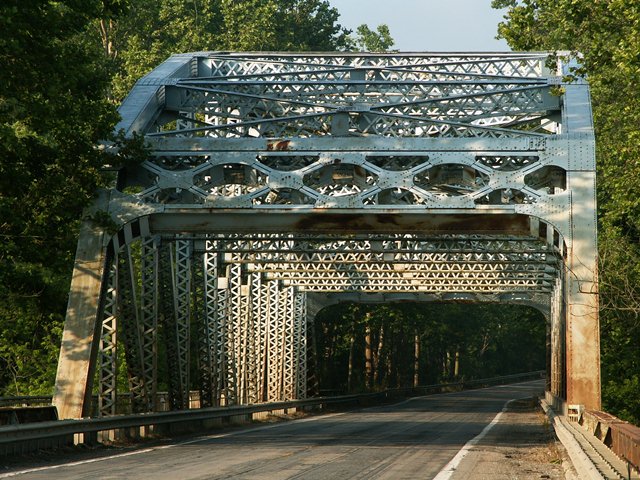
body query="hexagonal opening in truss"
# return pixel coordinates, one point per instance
(394, 196)
(287, 163)
(451, 179)
(179, 162)
(340, 179)
(550, 179)
(283, 196)
(507, 163)
(506, 196)
(230, 180)
(397, 163)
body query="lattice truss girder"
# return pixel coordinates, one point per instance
(355, 131)
(400, 263)
(251, 331)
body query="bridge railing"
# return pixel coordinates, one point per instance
(18, 439)
(25, 401)
(123, 404)
(162, 398)
(621, 437)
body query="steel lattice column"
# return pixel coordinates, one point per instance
(223, 352)
(208, 342)
(168, 320)
(558, 339)
(233, 334)
(289, 360)
(130, 328)
(275, 340)
(300, 343)
(240, 329)
(108, 353)
(149, 317)
(182, 300)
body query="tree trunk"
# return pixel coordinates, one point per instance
(446, 363)
(368, 360)
(389, 363)
(425, 352)
(352, 343)
(377, 354)
(456, 367)
(416, 359)
(106, 30)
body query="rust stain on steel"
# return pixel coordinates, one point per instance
(444, 223)
(325, 221)
(278, 145)
(625, 442)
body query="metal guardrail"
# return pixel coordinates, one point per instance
(621, 437)
(17, 439)
(25, 401)
(123, 404)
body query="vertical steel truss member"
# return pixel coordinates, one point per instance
(275, 340)
(261, 319)
(234, 324)
(182, 301)
(209, 324)
(289, 361)
(168, 320)
(256, 323)
(108, 353)
(224, 365)
(300, 343)
(242, 335)
(149, 317)
(131, 328)
(558, 328)
(361, 177)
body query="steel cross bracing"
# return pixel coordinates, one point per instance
(280, 183)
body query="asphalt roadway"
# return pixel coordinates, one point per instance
(420, 438)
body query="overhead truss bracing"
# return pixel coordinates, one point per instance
(279, 183)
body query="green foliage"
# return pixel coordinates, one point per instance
(52, 114)
(368, 40)
(606, 34)
(155, 29)
(487, 341)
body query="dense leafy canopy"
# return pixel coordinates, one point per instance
(607, 35)
(154, 29)
(52, 114)
(424, 343)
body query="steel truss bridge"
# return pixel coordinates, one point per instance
(278, 184)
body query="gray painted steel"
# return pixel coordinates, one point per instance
(281, 183)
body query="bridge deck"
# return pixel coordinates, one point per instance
(417, 438)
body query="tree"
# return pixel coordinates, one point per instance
(369, 347)
(52, 114)
(368, 40)
(606, 35)
(153, 30)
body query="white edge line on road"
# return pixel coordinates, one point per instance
(162, 447)
(450, 468)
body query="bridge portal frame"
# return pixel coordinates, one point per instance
(247, 112)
